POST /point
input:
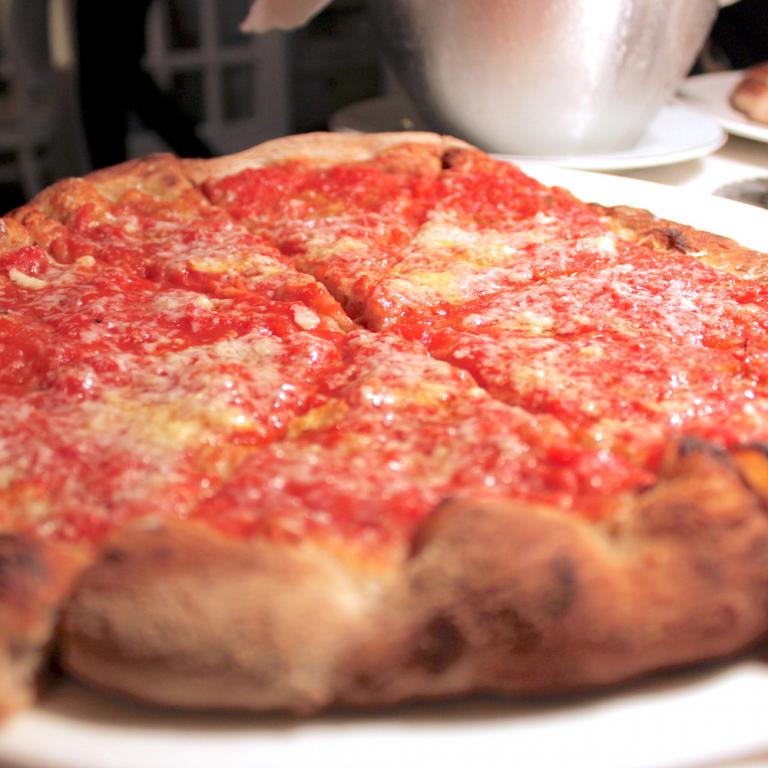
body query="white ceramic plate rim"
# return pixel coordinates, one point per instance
(697, 136)
(706, 717)
(747, 224)
(710, 93)
(677, 133)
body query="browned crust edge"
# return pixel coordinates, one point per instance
(318, 148)
(35, 579)
(160, 175)
(643, 227)
(494, 596)
(633, 224)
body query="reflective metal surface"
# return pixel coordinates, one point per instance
(542, 76)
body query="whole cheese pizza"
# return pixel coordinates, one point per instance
(352, 420)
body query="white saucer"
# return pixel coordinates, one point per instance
(711, 94)
(676, 134)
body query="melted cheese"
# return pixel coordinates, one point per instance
(26, 281)
(586, 349)
(305, 318)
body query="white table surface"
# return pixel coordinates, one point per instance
(736, 160)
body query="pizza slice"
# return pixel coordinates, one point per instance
(35, 576)
(123, 400)
(464, 255)
(355, 466)
(117, 391)
(494, 595)
(490, 226)
(630, 353)
(351, 484)
(145, 218)
(340, 214)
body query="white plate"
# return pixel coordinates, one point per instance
(745, 223)
(707, 718)
(711, 93)
(684, 720)
(676, 134)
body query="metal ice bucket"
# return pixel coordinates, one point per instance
(542, 76)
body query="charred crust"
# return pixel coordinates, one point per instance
(118, 557)
(22, 568)
(564, 587)
(674, 238)
(709, 568)
(114, 556)
(692, 445)
(642, 227)
(35, 579)
(424, 532)
(512, 631)
(170, 179)
(548, 602)
(439, 645)
(451, 157)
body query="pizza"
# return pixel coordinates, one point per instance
(750, 96)
(353, 420)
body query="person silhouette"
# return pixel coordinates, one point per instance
(112, 84)
(739, 37)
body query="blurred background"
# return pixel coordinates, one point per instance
(78, 78)
(87, 83)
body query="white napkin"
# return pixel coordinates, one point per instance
(281, 14)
